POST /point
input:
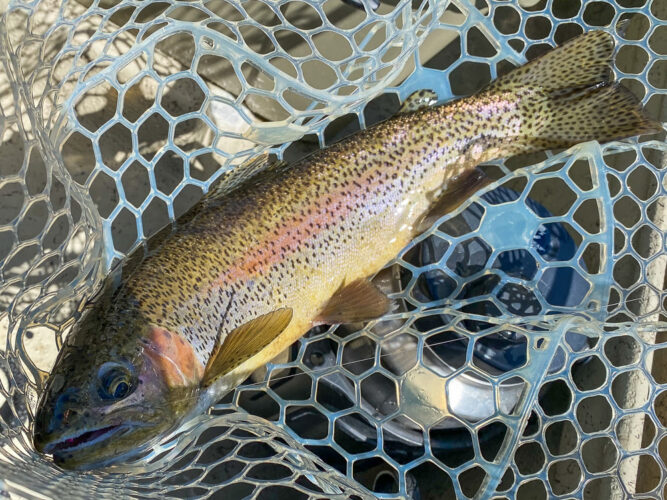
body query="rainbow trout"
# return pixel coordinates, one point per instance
(248, 272)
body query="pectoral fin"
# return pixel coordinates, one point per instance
(360, 300)
(244, 342)
(456, 192)
(418, 100)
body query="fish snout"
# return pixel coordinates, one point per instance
(45, 427)
(55, 418)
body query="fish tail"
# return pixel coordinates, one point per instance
(566, 96)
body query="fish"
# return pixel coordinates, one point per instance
(263, 259)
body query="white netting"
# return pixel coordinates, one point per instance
(117, 115)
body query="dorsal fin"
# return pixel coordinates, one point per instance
(245, 342)
(418, 100)
(237, 175)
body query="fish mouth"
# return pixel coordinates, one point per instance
(83, 439)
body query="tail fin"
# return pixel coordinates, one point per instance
(567, 96)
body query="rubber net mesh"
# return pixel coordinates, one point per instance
(117, 115)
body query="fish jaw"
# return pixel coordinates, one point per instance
(90, 438)
(98, 440)
(81, 436)
(100, 447)
(77, 440)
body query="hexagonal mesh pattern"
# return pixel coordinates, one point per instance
(524, 358)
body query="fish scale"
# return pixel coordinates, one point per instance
(249, 270)
(320, 224)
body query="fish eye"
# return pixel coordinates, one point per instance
(115, 381)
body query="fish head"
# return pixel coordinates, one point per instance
(116, 386)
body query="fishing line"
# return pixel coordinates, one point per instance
(430, 346)
(332, 368)
(654, 325)
(473, 300)
(540, 323)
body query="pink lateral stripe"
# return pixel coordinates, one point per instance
(290, 238)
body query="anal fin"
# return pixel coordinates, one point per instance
(245, 342)
(453, 195)
(358, 301)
